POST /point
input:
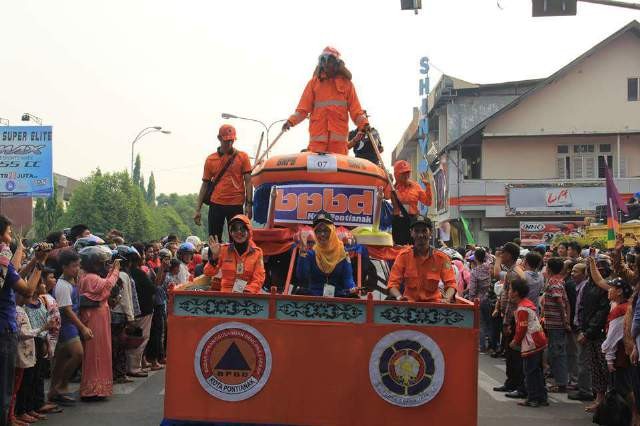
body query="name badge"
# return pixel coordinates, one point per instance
(239, 286)
(329, 290)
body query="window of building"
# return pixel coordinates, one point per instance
(633, 89)
(587, 161)
(602, 164)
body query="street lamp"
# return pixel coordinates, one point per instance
(144, 132)
(4, 121)
(267, 128)
(30, 117)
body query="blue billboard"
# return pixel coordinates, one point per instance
(26, 161)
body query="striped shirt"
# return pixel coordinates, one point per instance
(555, 304)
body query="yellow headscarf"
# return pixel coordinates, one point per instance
(329, 254)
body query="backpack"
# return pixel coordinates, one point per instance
(614, 409)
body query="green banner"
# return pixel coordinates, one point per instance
(467, 232)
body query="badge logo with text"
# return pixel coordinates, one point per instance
(233, 361)
(406, 368)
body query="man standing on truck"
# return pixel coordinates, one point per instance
(328, 100)
(226, 184)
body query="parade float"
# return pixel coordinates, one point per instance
(290, 359)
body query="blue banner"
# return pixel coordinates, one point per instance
(349, 205)
(26, 161)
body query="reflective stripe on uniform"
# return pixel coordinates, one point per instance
(338, 137)
(298, 115)
(321, 104)
(319, 138)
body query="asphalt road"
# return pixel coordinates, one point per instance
(140, 404)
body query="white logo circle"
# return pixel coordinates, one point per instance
(406, 368)
(233, 361)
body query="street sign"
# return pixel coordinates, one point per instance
(554, 8)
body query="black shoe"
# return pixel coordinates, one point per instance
(503, 388)
(580, 396)
(532, 404)
(516, 394)
(543, 403)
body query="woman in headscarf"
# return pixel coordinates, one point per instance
(239, 265)
(326, 268)
(409, 193)
(95, 288)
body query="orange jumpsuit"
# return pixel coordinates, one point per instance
(410, 194)
(328, 102)
(421, 275)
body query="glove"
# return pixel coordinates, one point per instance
(286, 126)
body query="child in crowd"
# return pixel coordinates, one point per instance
(531, 341)
(25, 389)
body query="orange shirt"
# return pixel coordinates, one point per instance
(421, 275)
(230, 190)
(410, 194)
(230, 267)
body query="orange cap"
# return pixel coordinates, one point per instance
(227, 132)
(331, 51)
(401, 167)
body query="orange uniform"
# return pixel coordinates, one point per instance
(421, 275)
(232, 268)
(410, 194)
(329, 102)
(230, 190)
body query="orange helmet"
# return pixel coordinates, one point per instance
(401, 167)
(332, 51)
(227, 132)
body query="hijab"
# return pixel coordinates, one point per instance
(331, 252)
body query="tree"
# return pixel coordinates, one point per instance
(142, 188)
(184, 205)
(151, 191)
(110, 200)
(136, 170)
(47, 213)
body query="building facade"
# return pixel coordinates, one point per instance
(537, 150)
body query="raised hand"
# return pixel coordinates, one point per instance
(214, 247)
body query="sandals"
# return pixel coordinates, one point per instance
(50, 409)
(62, 399)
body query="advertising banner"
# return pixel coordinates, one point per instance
(577, 199)
(26, 165)
(349, 205)
(534, 233)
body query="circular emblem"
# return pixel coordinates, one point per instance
(233, 361)
(10, 185)
(406, 368)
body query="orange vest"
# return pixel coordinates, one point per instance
(329, 102)
(230, 267)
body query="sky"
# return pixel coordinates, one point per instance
(99, 72)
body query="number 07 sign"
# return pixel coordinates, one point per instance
(349, 205)
(26, 161)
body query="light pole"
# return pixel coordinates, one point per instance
(144, 132)
(4, 121)
(30, 117)
(267, 128)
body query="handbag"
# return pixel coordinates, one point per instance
(211, 185)
(86, 303)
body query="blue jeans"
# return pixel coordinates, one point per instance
(558, 355)
(486, 333)
(533, 378)
(8, 354)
